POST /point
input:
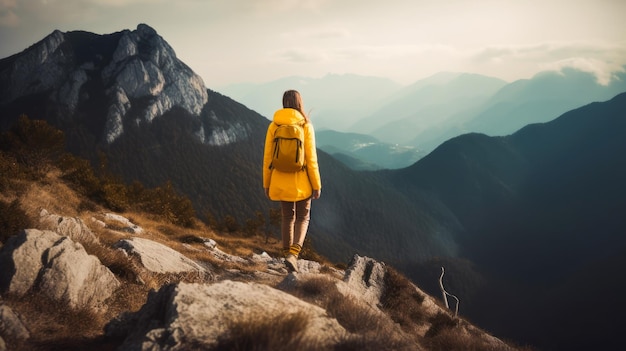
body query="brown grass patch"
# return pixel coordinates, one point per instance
(354, 317)
(257, 332)
(458, 339)
(53, 325)
(402, 301)
(51, 194)
(371, 329)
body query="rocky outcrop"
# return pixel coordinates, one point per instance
(365, 277)
(159, 258)
(179, 316)
(72, 227)
(57, 267)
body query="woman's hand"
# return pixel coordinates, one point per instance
(316, 194)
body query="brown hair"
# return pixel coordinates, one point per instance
(293, 99)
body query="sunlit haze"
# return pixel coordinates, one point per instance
(235, 41)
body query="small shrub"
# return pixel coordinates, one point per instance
(9, 171)
(12, 219)
(168, 205)
(86, 205)
(34, 143)
(252, 227)
(115, 196)
(230, 224)
(79, 172)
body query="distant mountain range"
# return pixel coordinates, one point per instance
(427, 105)
(432, 110)
(519, 221)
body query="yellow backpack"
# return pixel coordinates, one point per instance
(288, 155)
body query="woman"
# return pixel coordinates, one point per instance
(294, 190)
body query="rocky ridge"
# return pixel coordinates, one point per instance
(203, 312)
(142, 73)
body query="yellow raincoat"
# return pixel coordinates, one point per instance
(287, 186)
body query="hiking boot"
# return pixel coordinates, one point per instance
(292, 263)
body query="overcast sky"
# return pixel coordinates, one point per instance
(234, 41)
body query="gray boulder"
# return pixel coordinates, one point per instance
(57, 267)
(365, 277)
(121, 223)
(159, 258)
(72, 227)
(178, 316)
(20, 259)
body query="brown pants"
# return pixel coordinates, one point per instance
(295, 221)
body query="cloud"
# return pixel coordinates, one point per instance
(299, 55)
(604, 71)
(603, 60)
(322, 33)
(363, 53)
(273, 6)
(123, 3)
(549, 52)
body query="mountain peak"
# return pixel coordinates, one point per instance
(138, 69)
(145, 31)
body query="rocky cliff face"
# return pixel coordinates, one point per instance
(138, 70)
(145, 66)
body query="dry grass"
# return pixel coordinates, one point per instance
(370, 329)
(402, 302)
(52, 326)
(448, 333)
(257, 332)
(51, 194)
